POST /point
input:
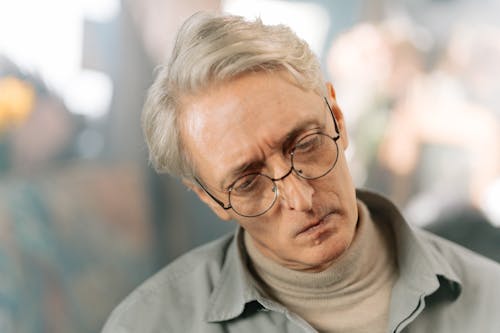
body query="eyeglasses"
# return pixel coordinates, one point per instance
(312, 157)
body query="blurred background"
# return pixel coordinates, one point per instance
(84, 219)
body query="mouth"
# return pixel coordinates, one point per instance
(315, 226)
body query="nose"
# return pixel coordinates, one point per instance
(296, 193)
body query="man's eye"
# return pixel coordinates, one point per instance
(245, 184)
(307, 144)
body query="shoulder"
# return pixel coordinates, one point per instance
(475, 272)
(474, 305)
(179, 291)
(467, 265)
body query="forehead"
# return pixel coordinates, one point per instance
(244, 119)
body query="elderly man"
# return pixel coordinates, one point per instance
(241, 113)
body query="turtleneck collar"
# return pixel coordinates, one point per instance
(365, 271)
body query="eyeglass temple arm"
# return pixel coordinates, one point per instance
(211, 195)
(333, 117)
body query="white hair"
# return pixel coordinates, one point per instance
(212, 48)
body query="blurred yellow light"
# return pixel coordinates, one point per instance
(17, 98)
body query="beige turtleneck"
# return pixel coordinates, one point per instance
(352, 295)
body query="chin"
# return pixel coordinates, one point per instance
(326, 251)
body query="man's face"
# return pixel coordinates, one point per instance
(253, 121)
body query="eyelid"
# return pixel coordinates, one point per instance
(319, 129)
(289, 147)
(231, 185)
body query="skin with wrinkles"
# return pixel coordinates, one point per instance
(247, 120)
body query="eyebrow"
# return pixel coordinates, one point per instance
(289, 138)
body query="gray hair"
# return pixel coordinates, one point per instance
(212, 48)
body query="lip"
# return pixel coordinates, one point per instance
(314, 226)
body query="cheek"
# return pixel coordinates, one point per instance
(331, 186)
(339, 179)
(336, 189)
(265, 231)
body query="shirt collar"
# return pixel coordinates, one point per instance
(423, 270)
(235, 288)
(420, 265)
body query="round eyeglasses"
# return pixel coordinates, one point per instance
(312, 157)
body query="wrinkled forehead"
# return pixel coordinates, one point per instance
(244, 118)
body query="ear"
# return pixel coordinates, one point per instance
(214, 206)
(339, 116)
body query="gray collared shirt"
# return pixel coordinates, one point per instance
(441, 287)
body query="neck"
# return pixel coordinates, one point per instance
(362, 276)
